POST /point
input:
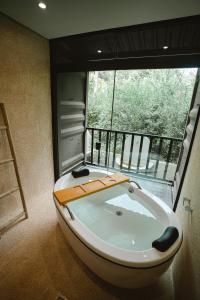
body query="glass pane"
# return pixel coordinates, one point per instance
(153, 101)
(150, 110)
(100, 96)
(153, 104)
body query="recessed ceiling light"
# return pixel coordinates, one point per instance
(42, 5)
(99, 51)
(165, 47)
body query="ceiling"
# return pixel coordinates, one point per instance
(64, 17)
(136, 46)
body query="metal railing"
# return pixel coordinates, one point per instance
(145, 154)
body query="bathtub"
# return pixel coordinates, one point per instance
(112, 231)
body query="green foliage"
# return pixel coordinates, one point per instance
(145, 101)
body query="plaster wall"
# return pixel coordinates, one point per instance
(25, 91)
(35, 252)
(186, 268)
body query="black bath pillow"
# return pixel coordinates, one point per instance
(80, 173)
(169, 236)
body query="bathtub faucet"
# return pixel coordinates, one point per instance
(131, 188)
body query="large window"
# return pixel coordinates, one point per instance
(152, 104)
(145, 101)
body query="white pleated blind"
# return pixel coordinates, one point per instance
(187, 145)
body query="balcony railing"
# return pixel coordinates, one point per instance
(145, 154)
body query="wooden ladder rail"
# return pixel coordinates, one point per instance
(13, 159)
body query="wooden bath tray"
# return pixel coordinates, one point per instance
(85, 189)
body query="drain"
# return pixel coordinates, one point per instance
(118, 213)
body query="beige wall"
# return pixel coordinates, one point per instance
(186, 269)
(25, 90)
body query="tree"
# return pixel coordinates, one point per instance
(145, 101)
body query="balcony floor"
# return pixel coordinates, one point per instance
(162, 190)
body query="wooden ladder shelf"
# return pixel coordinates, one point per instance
(24, 214)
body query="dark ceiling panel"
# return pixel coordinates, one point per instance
(133, 46)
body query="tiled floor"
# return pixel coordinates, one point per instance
(37, 263)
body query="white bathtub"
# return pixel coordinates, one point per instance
(112, 232)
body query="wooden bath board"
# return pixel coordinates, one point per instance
(66, 195)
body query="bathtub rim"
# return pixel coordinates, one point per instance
(128, 258)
